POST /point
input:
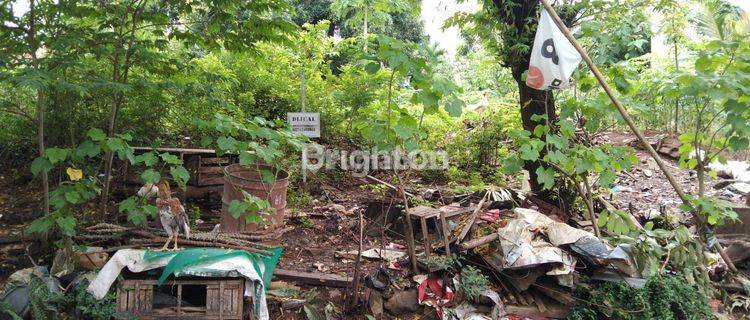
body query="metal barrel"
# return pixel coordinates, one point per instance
(239, 178)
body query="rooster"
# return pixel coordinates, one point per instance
(172, 214)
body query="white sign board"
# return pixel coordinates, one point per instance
(305, 123)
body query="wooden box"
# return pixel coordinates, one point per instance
(201, 298)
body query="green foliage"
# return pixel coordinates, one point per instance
(6, 310)
(89, 307)
(573, 161)
(715, 211)
(617, 222)
(662, 298)
(442, 263)
(717, 90)
(50, 303)
(619, 33)
(366, 12)
(45, 302)
(251, 208)
(657, 250)
(473, 282)
(83, 183)
(256, 141)
(389, 125)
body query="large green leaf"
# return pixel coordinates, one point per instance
(40, 164)
(150, 176)
(171, 159)
(149, 159)
(67, 225)
(546, 177)
(56, 155)
(180, 175)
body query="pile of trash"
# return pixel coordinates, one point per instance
(736, 175)
(530, 262)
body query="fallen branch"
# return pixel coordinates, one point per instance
(389, 185)
(473, 243)
(472, 218)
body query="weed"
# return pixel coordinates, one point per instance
(473, 282)
(663, 298)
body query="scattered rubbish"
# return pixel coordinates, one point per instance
(17, 293)
(739, 170)
(374, 253)
(740, 187)
(648, 173)
(379, 280)
(651, 214)
(433, 293)
(617, 188)
(321, 266)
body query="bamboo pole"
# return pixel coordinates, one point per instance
(631, 124)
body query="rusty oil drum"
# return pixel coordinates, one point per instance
(238, 178)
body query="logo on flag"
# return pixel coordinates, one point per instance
(553, 57)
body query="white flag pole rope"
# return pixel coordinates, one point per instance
(683, 196)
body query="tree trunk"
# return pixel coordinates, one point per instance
(677, 99)
(34, 46)
(109, 156)
(40, 141)
(534, 102)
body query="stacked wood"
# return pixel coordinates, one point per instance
(132, 237)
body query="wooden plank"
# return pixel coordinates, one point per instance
(211, 170)
(446, 236)
(313, 278)
(420, 212)
(214, 160)
(452, 210)
(210, 180)
(425, 236)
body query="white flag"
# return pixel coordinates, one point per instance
(553, 57)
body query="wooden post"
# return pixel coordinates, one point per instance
(631, 124)
(409, 230)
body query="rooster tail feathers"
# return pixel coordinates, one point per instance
(187, 231)
(184, 225)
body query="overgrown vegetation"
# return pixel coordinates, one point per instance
(662, 298)
(83, 82)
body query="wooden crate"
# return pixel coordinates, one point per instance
(223, 299)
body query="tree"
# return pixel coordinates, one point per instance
(675, 23)
(36, 44)
(366, 12)
(507, 27)
(403, 25)
(134, 33)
